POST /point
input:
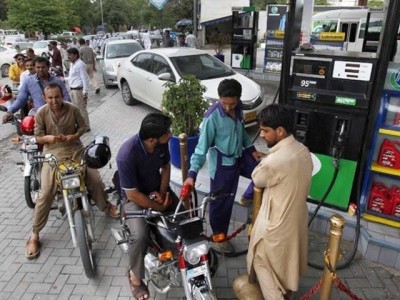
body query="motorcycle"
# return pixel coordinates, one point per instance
(179, 253)
(28, 150)
(72, 198)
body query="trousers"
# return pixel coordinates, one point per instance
(48, 189)
(226, 181)
(81, 103)
(140, 236)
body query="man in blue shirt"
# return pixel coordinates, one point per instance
(144, 171)
(33, 88)
(230, 153)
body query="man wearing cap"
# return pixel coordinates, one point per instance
(78, 81)
(87, 55)
(56, 60)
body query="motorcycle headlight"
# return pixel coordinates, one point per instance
(192, 253)
(71, 182)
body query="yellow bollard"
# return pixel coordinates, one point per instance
(257, 199)
(245, 290)
(184, 155)
(332, 254)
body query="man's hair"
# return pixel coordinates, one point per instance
(73, 51)
(30, 50)
(230, 88)
(28, 59)
(54, 43)
(19, 55)
(276, 115)
(154, 125)
(40, 59)
(53, 85)
(82, 41)
(190, 31)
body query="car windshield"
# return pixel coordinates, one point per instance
(203, 66)
(122, 50)
(40, 44)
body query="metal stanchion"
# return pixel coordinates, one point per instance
(184, 155)
(332, 255)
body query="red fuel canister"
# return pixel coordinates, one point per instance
(380, 199)
(389, 154)
(395, 201)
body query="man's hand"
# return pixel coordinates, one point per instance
(166, 202)
(69, 138)
(257, 155)
(189, 181)
(7, 117)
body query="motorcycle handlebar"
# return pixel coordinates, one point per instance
(141, 213)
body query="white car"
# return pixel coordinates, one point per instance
(41, 47)
(141, 77)
(113, 53)
(6, 59)
(17, 43)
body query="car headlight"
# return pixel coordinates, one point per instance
(192, 253)
(110, 68)
(71, 182)
(211, 101)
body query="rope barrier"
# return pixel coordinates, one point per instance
(339, 284)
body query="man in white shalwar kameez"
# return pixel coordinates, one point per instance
(279, 239)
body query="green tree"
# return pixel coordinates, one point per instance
(39, 15)
(3, 10)
(115, 13)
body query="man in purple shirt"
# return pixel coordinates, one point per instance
(144, 172)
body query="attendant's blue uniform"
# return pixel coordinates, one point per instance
(229, 151)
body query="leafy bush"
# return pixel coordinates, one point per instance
(184, 103)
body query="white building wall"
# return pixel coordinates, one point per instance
(215, 9)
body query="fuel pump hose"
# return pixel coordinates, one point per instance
(347, 262)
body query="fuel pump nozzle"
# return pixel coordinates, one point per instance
(338, 145)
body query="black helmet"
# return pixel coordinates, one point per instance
(98, 153)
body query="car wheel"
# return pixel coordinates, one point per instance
(17, 48)
(44, 54)
(4, 70)
(127, 95)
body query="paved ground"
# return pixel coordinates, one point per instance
(58, 273)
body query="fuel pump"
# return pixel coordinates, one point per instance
(330, 93)
(244, 37)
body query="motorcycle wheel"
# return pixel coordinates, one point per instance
(32, 186)
(213, 262)
(204, 293)
(85, 246)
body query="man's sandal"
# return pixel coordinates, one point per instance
(138, 291)
(112, 210)
(32, 249)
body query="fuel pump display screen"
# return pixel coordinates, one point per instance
(309, 73)
(307, 67)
